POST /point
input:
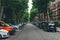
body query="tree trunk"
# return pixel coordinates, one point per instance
(1, 11)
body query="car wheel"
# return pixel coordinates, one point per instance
(0, 37)
(46, 29)
(55, 30)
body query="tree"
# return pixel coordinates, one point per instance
(1, 8)
(34, 12)
(42, 5)
(14, 10)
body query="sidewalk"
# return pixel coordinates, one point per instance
(58, 29)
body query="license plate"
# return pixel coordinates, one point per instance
(52, 27)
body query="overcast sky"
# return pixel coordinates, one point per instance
(30, 5)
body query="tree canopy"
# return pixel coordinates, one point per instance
(13, 10)
(41, 5)
(34, 12)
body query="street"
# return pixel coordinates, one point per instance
(31, 32)
(29, 19)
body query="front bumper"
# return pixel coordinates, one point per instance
(51, 29)
(5, 36)
(12, 32)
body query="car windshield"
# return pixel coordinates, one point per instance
(51, 23)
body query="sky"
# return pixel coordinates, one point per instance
(30, 6)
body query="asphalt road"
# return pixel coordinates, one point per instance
(31, 32)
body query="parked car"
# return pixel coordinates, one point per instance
(18, 26)
(42, 24)
(4, 33)
(47, 26)
(13, 29)
(35, 23)
(13, 26)
(7, 27)
(21, 25)
(50, 26)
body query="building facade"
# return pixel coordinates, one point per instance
(54, 10)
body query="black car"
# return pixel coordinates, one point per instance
(42, 25)
(50, 26)
(36, 24)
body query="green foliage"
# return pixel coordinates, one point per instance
(26, 15)
(14, 9)
(34, 13)
(41, 5)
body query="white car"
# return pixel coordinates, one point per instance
(4, 33)
(17, 26)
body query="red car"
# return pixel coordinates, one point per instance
(5, 26)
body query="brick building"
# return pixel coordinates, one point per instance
(41, 16)
(54, 10)
(54, 13)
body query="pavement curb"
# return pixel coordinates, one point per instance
(58, 29)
